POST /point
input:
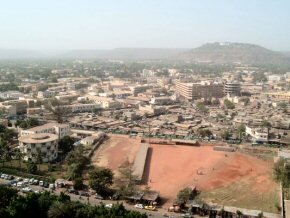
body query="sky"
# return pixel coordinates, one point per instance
(107, 24)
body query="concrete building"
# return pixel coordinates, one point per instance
(257, 135)
(45, 144)
(232, 88)
(193, 91)
(58, 129)
(15, 107)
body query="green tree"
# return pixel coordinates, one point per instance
(101, 179)
(19, 156)
(241, 130)
(32, 168)
(201, 107)
(66, 144)
(229, 104)
(225, 134)
(78, 183)
(184, 195)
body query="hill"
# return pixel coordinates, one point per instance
(234, 52)
(125, 53)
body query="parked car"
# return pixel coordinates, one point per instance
(109, 205)
(31, 180)
(45, 185)
(52, 186)
(115, 196)
(35, 182)
(152, 208)
(41, 183)
(19, 184)
(97, 196)
(85, 194)
(140, 206)
(26, 189)
(12, 183)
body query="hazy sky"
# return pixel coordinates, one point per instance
(96, 24)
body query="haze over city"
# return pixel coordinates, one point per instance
(66, 25)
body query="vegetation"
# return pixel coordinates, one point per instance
(229, 104)
(241, 130)
(201, 107)
(46, 205)
(225, 134)
(66, 144)
(184, 195)
(28, 123)
(101, 179)
(8, 87)
(58, 112)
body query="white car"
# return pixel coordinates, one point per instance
(26, 189)
(109, 205)
(19, 184)
(140, 206)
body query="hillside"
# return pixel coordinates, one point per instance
(124, 53)
(234, 52)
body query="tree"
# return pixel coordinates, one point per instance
(229, 104)
(101, 179)
(184, 195)
(241, 130)
(58, 110)
(66, 144)
(78, 183)
(32, 168)
(29, 123)
(39, 158)
(225, 134)
(19, 156)
(59, 210)
(201, 107)
(127, 180)
(205, 133)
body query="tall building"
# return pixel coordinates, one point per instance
(232, 88)
(193, 91)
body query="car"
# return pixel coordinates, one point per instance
(12, 183)
(45, 185)
(31, 180)
(18, 179)
(109, 205)
(26, 189)
(26, 181)
(19, 184)
(3, 176)
(187, 215)
(41, 183)
(35, 182)
(140, 206)
(73, 191)
(152, 208)
(97, 196)
(9, 177)
(115, 196)
(85, 194)
(52, 186)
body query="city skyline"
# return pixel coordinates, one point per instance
(67, 25)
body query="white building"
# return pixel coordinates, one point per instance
(60, 130)
(44, 144)
(257, 135)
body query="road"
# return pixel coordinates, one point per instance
(93, 201)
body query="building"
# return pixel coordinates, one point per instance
(80, 108)
(15, 107)
(279, 96)
(44, 144)
(193, 91)
(58, 129)
(105, 102)
(148, 73)
(232, 88)
(257, 135)
(164, 100)
(11, 95)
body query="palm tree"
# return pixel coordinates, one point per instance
(7, 154)
(59, 210)
(19, 156)
(39, 158)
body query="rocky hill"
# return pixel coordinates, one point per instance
(234, 52)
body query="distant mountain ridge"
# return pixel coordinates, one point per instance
(234, 52)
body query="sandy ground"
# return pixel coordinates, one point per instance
(115, 151)
(170, 168)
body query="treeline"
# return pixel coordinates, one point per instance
(46, 205)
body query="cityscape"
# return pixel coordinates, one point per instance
(187, 130)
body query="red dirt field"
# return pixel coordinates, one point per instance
(115, 151)
(170, 168)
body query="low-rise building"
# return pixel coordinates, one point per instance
(43, 144)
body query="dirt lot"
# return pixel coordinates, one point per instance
(113, 152)
(232, 179)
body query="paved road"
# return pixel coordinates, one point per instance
(158, 214)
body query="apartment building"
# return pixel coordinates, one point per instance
(60, 130)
